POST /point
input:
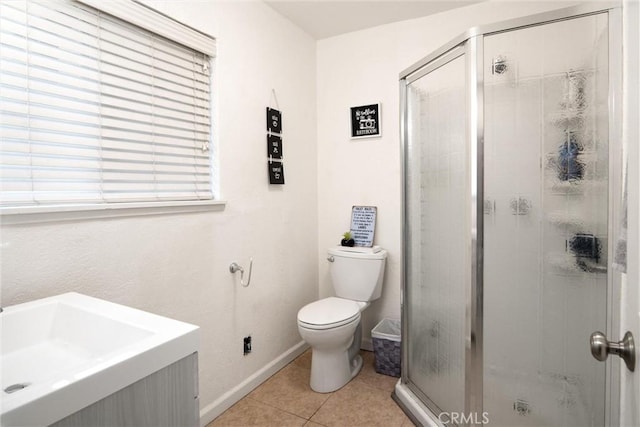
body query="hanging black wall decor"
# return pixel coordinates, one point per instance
(274, 146)
(276, 172)
(274, 120)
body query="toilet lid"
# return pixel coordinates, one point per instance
(329, 313)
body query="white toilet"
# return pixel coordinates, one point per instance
(331, 326)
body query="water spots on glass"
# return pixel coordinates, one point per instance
(521, 406)
(520, 206)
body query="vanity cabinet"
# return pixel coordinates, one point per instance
(168, 397)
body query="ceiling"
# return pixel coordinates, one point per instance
(327, 18)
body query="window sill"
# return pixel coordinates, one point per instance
(36, 214)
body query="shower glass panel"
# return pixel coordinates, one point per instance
(545, 222)
(510, 202)
(436, 159)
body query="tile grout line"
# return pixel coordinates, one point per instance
(283, 410)
(320, 407)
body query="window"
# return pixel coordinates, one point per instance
(99, 111)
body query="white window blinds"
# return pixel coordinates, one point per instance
(96, 110)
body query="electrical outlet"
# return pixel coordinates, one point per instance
(247, 345)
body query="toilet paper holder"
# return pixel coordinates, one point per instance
(235, 267)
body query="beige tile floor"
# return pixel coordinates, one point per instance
(286, 399)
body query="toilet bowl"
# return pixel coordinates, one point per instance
(332, 328)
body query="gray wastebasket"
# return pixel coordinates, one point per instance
(386, 347)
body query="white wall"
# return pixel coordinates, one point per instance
(360, 68)
(178, 265)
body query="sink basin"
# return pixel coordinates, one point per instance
(63, 353)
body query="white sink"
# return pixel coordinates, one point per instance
(63, 353)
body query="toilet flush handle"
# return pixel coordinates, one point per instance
(331, 258)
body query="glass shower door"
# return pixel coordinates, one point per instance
(546, 244)
(436, 203)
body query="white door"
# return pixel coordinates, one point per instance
(630, 292)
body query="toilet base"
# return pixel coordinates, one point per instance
(330, 372)
(356, 366)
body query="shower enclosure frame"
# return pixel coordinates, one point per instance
(470, 44)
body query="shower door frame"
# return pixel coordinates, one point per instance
(471, 45)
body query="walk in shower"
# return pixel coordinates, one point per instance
(512, 181)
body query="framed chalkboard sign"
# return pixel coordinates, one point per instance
(363, 225)
(365, 121)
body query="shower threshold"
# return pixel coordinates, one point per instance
(419, 414)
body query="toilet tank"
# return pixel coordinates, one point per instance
(357, 273)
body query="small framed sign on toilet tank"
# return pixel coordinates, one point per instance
(363, 225)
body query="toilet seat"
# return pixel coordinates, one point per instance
(329, 313)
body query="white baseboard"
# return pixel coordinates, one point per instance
(224, 402)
